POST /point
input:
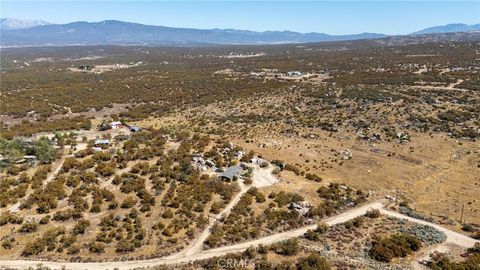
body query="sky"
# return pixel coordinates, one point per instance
(332, 17)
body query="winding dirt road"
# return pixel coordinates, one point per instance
(194, 252)
(181, 258)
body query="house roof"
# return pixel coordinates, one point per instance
(231, 172)
(98, 141)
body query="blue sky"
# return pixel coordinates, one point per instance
(332, 17)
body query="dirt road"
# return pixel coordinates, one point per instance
(451, 86)
(452, 237)
(171, 260)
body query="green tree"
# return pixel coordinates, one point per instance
(44, 150)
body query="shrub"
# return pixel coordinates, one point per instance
(45, 220)
(311, 235)
(95, 247)
(358, 221)
(314, 261)
(374, 213)
(125, 245)
(313, 177)
(81, 226)
(287, 248)
(8, 217)
(129, 202)
(321, 228)
(467, 227)
(8, 243)
(30, 226)
(292, 168)
(73, 250)
(398, 245)
(34, 247)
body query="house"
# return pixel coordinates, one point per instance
(294, 73)
(86, 67)
(116, 124)
(135, 129)
(101, 142)
(231, 173)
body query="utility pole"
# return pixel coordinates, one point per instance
(396, 198)
(461, 215)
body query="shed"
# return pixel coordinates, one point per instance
(101, 142)
(30, 158)
(135, 129)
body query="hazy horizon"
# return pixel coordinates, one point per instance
(336, 18)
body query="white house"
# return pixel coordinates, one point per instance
(116, 125)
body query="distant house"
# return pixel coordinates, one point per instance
(231, 173)
(116, 125)
(27, 159)
(294, 73)
(97, 149)
(135, 129)
(86, 67)
(99, 142)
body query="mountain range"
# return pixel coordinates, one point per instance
(16, 32)
(449, 28)
(12, 23)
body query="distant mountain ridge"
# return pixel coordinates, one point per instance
(13, 23)
(449, 28)
(126, 33)
(112, 32)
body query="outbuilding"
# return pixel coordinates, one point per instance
(101, 142)
(135, 129)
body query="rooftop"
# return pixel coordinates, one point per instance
(231, 172)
